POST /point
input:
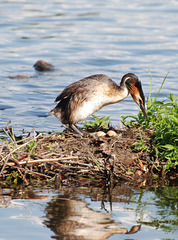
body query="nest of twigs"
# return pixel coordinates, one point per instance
(68, 157)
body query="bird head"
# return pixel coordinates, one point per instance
(135, 89)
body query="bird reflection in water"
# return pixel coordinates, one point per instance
(72, 219)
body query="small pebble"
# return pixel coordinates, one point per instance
(111, 133)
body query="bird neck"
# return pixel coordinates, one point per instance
(122, 93)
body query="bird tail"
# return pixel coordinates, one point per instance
(55, 113)
(52, 112)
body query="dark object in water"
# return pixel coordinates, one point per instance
(19, 77)
(43, 66)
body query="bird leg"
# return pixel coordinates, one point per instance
(75, 129)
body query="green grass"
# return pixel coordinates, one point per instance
(99, 122)
(163, 120)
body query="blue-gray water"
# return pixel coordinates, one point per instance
(63, 214)
(82, 38)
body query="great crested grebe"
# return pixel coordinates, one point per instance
(86, 96)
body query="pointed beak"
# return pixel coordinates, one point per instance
(135, 89)
(142, 107)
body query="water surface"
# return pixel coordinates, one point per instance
(89, 213)
(88, 37)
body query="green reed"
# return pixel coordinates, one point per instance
(99, 122)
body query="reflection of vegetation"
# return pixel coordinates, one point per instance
(166, 203)
(163, 120)
(166, 225)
